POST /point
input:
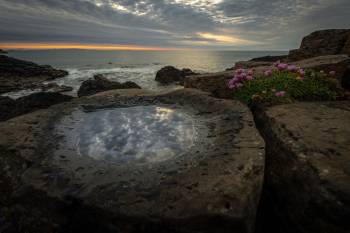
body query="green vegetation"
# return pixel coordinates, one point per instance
(283, 86)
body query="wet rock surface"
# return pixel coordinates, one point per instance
(10, 108)
(213, 185)
(16, 74)
(307, 179)
(100, 84)
(170, 74)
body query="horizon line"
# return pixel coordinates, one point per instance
(109, 47)
(102, 47)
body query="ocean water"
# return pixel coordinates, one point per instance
(137, 66)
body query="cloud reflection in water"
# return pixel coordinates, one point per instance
(142, 133)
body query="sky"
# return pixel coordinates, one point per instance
(167, 24)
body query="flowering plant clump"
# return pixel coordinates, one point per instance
(283, 83)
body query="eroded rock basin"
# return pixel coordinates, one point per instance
(138, 134)
(135, 162)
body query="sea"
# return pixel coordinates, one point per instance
(137, 66)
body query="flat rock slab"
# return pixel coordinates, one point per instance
(213, 186)
(308, 164)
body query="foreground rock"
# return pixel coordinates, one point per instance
(100, 84)
(17, 74)
(213, 186)
(217, 83)
(321, 43)
(10, 108)
(308, 163)
(170, 74)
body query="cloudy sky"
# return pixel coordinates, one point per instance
(169, 24)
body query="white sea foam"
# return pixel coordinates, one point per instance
(143, 75)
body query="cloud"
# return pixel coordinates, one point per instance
(235, 24)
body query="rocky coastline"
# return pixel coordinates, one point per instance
(282, 168)
(18, 75)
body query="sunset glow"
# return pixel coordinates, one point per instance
(43, 46)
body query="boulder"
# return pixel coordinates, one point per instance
(324, 42)
(10, 108)
(307, 179)
(217, 83)
(212, 186)
(16, 74)
(214, 83)
(170, 74)
(100, 84)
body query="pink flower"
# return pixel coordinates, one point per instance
(282, 66)
(280, 93)
(239, 71)
(276, 63)
(292, 68)
(301, 72)
(268, 73)
(239, 77)
(249, 77)
(231, 82)
(232, 86)
(332, 73)
(250, 73)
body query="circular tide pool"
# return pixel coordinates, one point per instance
(132, 134)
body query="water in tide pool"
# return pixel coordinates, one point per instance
(137, 66)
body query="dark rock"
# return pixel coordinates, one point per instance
(320, 43)
(214, 83)
(100, 84)
(214, 186)
(2, 51)
(346, 79)
(270, 58)
(17, 74)
(307, 179)
(170, 74)
(10, 108)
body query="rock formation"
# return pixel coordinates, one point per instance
(10, 108)
(100, 84)
(170, 74)
(325, 42)
(307, 179)
(320, 43)
(214, 186)
(17, 74)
